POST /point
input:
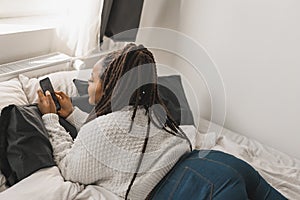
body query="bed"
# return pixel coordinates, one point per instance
(279, 169)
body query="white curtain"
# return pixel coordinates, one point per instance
(78, 30)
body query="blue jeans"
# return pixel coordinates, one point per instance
(208, 174)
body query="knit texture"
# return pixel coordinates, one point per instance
(77, 118)
(107, 154)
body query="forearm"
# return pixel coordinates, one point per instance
(70, 156)
(59, 138)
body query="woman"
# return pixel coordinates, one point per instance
(131, 145)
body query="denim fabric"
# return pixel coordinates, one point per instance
(215, 175)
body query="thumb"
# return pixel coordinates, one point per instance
(61, 94)
(47, 93)
(59, 97)
(49, 97)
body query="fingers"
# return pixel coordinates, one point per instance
(49, 97)
(46, 103)
(61, 94)
(63, 99)
(40, 94)
(42, 98)
(59, 98)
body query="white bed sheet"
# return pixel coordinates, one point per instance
(280, 170)
(48, 184)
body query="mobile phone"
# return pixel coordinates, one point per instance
(46, 85)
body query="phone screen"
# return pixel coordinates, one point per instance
(46, 85)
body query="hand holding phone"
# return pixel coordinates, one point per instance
(46, 85)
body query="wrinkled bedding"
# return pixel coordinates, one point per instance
(48, 184)
(280, 170)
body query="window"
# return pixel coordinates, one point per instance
(72, 26)
(25, 8)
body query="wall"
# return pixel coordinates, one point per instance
(256, 47)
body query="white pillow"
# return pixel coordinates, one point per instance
(11, 92)
(61, 81)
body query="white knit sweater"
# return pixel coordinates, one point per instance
(105, 154)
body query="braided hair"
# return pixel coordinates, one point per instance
(137, 65)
